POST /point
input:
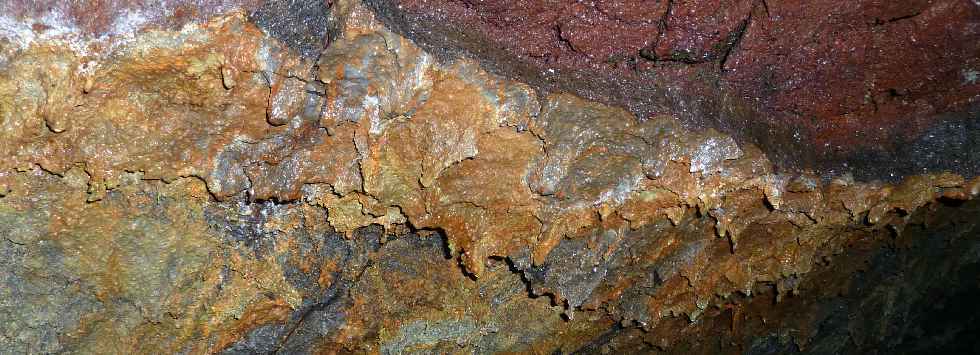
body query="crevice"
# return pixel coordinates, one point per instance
(394, 53)
(563, 40)
(512, 267)
(650, 51)
(879, 22)
(319, 306)
(337, 292)
(734, 39)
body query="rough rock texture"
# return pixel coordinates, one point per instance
(238, 185)
(837, 87)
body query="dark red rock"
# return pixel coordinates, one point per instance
(702, 30)
(862, 86)
(866, 72)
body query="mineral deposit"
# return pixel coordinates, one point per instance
(298, 177)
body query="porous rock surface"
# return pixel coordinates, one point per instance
(223, 182)
(878, 88)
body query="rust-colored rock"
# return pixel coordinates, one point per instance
(214, 188)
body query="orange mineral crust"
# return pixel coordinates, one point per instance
(240, 179)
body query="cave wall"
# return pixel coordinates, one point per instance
(879, 89)
(299, 177)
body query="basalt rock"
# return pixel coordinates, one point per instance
(817, 85)
(298, 177)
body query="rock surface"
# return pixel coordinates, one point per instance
(856, 87)
(226, 181)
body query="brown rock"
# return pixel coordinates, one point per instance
(401, 203)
